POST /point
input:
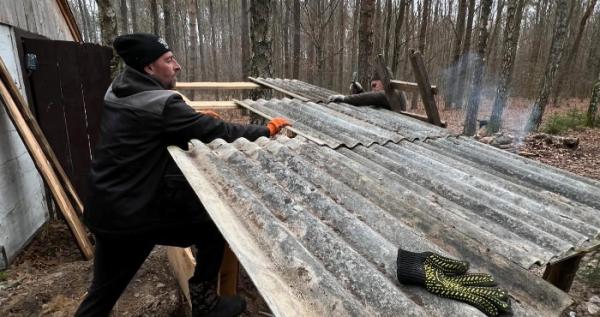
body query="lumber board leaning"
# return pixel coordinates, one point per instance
(410, 86)
(422, 78)
(282, 298)
(393, 96)
(39, 136)
(240, 85)
(47, 172)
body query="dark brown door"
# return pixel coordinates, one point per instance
(67, 90)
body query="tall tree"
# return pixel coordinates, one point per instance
(213, 39)
(354, 48)
(514, 14)
(134, 14)
(155, 19)
(424, 21)
(192, 20)
(388, 25)
(474, 98)
(365, 41)
(245, 40)
(124, 20)
(465, 57)
(592, 113)
(556, 51)
(296, 54)
(169, 24)
(566, 67)
(537, 36)
(341, 44)
(458, 37)
(260, 36)
(108, 21)
(397, 39)
(202, 61)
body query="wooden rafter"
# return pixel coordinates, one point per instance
(67, 14)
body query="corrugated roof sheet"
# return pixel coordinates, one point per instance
(317, 229)
(309, 91)
(338, 124)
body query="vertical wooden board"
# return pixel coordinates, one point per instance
(95, 77)
(49, 108)
(71, 92)
(183, 264)
(228, 275)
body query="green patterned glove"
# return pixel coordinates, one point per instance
(449, 278)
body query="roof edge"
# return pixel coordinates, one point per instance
(67, 14)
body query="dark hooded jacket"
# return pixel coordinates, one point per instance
(135, 186)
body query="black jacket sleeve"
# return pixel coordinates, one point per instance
(182, 123)
(372, 98)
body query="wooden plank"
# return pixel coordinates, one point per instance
(228, 276)
(206, 105)
(242, 85)
(281, 90)
(33, 125)
(67, 14)
(409, 86)
(420, 117)
(47, 172)
(425, 87)
(393, 97)
(561, 274)
(182, 263)
(279, 295)
(268, 117)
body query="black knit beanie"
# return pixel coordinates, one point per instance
(140, 49)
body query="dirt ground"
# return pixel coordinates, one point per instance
(50, 279)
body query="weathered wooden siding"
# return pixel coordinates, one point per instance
(37, 16)
(22, 204)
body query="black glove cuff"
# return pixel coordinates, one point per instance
(409, 267)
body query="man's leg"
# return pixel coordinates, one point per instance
(115, 264)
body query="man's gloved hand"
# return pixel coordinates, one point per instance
(336, 98)
(447, 277)
(211, 113)
(276, 124)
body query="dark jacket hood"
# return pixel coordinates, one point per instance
(131, 81)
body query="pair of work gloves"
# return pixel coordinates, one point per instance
(274, 126)
(449, 278)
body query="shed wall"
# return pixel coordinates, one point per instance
(22, 204)
(37, 16)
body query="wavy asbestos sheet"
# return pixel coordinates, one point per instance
(317, 230)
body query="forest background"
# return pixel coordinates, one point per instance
(541, 50)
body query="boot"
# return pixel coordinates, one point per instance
(207, 303)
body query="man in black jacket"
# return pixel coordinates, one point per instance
(376, 97)
(138, 197)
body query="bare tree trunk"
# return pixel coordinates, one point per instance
(286, 42)
(514, 14)
(202, 61)
(355, 17)
(245, 40)
(556, 51)
(464, 59)
(537, 42)
(168, 18)
(424, 21)
(84, 21)
(341, 48)
(592, 113)
(377, 27)
(134, 22)
(490, 55)
(397, 39)
(231, 32)
(473, 106)
(566, 67)
(260, 36)
(365, 41)
(108, 21)
(192, 20)
(452, 77)
(213, 40)
(388, 26)
(155, 19)
(296, 54)
(123, 26)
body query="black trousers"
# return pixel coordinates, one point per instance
(118, 259)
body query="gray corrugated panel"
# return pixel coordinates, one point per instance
(332, 127)
(329, 226)
(341, 124)
(312, 92)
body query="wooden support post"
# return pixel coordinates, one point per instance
(393, 97)
(418, 66)
(561, 274)
(47, 171)
(228, 276)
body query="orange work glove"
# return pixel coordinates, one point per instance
(276, 124)
(210, 113)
